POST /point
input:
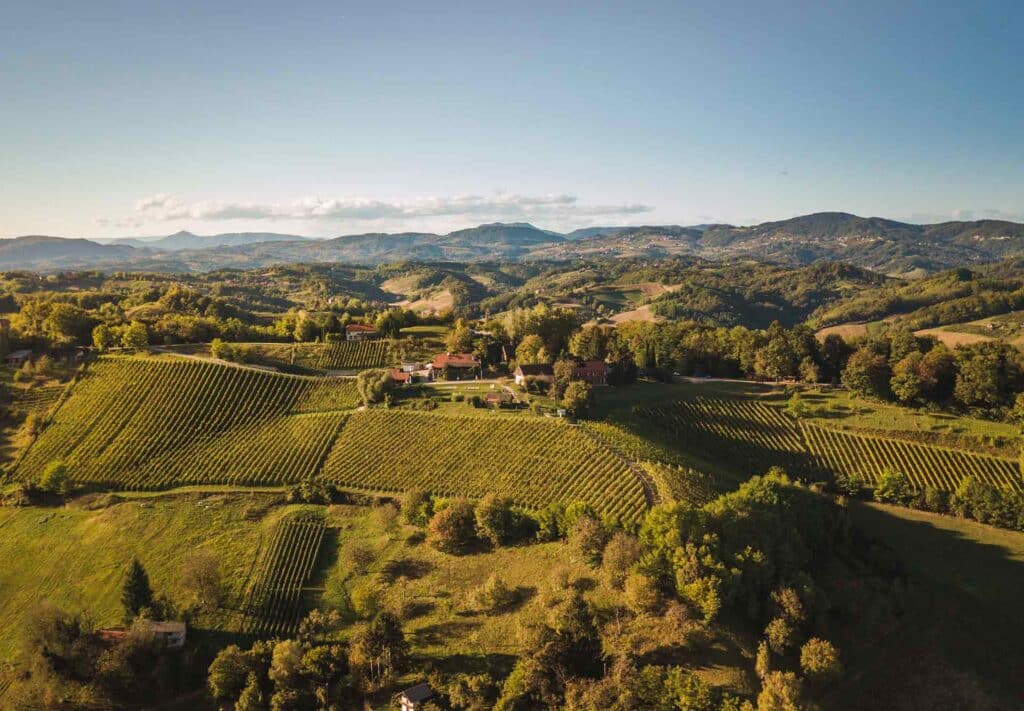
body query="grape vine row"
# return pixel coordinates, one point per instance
(272, 605)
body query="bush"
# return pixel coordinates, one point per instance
(358, 556)
(493, 595)
(314, 492)
(622, 551)
(373, 385)
(819, 660)
(417, 507)
(587, 538)
(642, 594)
(780, 634)
(55, 479)
(367, 601)
(496, 522)
(453, 529)
(893, 488)
(935, 500)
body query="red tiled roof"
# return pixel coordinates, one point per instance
(354, 327)
(399, 375)
(592, 367)
(455, 360)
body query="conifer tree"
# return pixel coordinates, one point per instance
(136, 595)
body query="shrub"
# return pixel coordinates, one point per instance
(819, 660)
(417, 507)
(893, 488)
(385, 515)
(935, 500)
(453, 528)
(780, 634)
(55, 479)
(496, 522)
(642, 594)
(367, 600)
(622, 551)
(587, 539)
(493, 595)
(359, 556)
(373, 385)
(780, 691)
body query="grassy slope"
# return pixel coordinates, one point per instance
(964, 620)
(77, 558)
(446, 631)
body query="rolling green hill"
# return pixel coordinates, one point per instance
(157, 423)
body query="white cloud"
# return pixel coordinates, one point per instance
(964, 215)
(154, 202)
(500, 206)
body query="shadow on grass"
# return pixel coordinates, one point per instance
(495, 665)
(443, 632)
(963, 614)
(408, 568)
(418, 608)
(327, 557)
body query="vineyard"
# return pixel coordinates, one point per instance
(157, 423)
(272, 605)
(152, 423)
(680, 483)
(344, 355)
(743, 433)
(37, 400)
(749, 436)
(867, 457)
(533, 461)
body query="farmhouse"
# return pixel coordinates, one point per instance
(498, 398)
(17, 358)
(172, 634)
(538, 371)
(594, 372)
(454, 366)
(413, 697)
(400, 376)
(360, 332)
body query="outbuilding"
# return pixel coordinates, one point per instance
(413, 697)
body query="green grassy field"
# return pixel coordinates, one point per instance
(426, 331)
(963, 621)
(838, 408)
(76, 558)
(432, 592)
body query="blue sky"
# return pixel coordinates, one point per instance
(329, 118)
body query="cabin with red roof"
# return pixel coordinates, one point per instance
(360, 332)
(400, 376)
(594, 372)
(454, 366)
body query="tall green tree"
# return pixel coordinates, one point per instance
(136, 594)
(135, 336)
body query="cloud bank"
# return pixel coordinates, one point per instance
(500, 206)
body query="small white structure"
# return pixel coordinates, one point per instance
(413, 697)
(172, 633)
(544, 372)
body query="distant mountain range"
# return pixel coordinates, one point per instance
(187, 240)
(883, 245)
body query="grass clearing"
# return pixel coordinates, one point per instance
(76, 558)
(963, 604)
